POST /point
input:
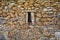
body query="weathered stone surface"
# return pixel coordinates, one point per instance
(39, 15)
(46, 17)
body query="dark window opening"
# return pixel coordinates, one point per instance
(29, 18)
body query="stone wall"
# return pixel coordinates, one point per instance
(46, 18)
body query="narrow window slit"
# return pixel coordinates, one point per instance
(29, 18)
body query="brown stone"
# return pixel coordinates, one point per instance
(12, 15)
(11, 34)
(37, 5)
(37, 31)
(31, 2)
(39, 15)
(22, 22)
(47, 4)
(21, 14)
(8, 17)
(39, 23)
(25, 27)
(26, 5)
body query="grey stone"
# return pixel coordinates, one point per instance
(2, 37)
(58, 15)
(3, 20)
(52, 39)
(57, 35)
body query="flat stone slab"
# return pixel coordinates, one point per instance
(2, 37)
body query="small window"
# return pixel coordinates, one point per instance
(30, 18)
